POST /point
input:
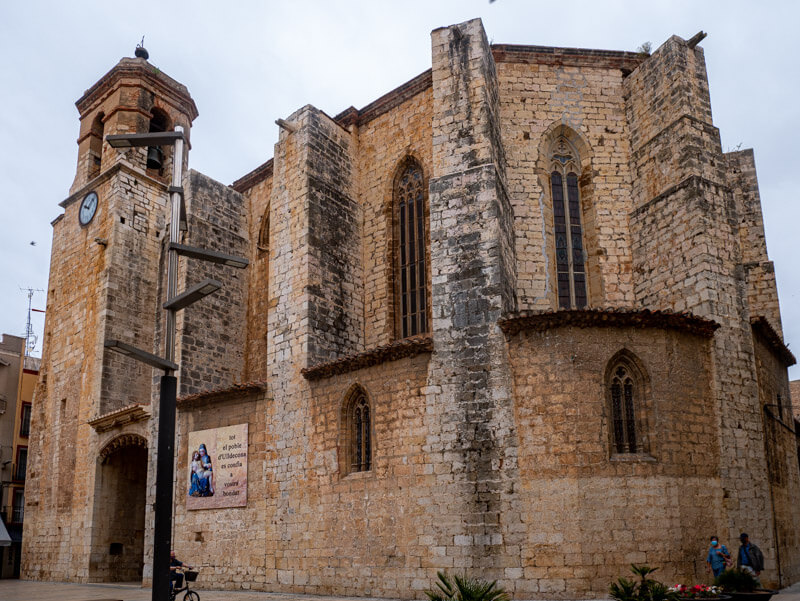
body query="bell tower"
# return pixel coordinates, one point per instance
(134, 97)
(92, 405)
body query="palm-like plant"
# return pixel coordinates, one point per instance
(463, 588)
(646, 589)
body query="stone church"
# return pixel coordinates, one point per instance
(515, 318)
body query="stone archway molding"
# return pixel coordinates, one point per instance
(120, 442)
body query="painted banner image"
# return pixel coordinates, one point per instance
(217, 468)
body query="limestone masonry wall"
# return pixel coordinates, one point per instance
(582, 498)
(762, 291)
(211, 344)
(781, 449)
(687, 256)
(585, 102)
(383, 143)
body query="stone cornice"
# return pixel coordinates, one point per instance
(539, 321)
(119, 418)
(399, 349)
(139, 68)
(256, 176)
(580, 57)
(773, 340)
(667, 129)
(387, 102)
(105, 175)
(227, 393)
(689, 182)
(348, 117)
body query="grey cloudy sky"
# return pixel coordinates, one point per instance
(247, 63)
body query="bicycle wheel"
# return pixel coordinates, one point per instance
(191, 596)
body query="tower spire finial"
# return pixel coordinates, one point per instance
(141, 51)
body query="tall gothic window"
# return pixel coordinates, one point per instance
(357, 443)
(570, 261)
(625, 391)
(411, 274)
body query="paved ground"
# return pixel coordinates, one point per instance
(23, 590)
(19, 590)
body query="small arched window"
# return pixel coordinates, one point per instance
(625, 389)
(357, 426)
(570, 259)
(96, 145)
(410, 272)
(263, 232)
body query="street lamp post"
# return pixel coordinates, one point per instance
(165, 473)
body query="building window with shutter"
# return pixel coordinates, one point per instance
(25, 420)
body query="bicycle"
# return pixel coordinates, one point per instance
(188, 595)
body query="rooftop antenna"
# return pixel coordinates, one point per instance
(30, 338)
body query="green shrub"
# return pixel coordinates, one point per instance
(737, 580)
(646, 589)
(462, 588)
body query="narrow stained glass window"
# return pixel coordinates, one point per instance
(358, 424)
(411, 269)
(623, 412)
(567, 229)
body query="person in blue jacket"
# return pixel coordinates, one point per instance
(750, 558)
(718, 557)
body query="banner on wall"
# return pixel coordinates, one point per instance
(217, 468)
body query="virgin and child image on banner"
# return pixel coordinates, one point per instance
(217, 468)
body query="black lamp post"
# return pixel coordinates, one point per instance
(162, 526)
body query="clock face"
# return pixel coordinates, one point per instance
(88, 208)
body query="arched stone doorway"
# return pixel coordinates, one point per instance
(119, 510)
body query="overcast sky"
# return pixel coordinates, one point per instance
(247, 63)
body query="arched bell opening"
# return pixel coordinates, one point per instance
(156, 155)
(119, 511)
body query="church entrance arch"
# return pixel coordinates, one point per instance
(119, 511)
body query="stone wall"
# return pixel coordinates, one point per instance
(794, 388)
(383, 142)
(780, 448)
(229, 545)
(584, 514)
(211, 333)
(259, 301)
(334, 286)
(687, 256)
(578, 94)
(473, 275)
(762, 290)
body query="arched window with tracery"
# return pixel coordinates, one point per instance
(357, 426)
(626, 388)
(567, 228)
(410, 270)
